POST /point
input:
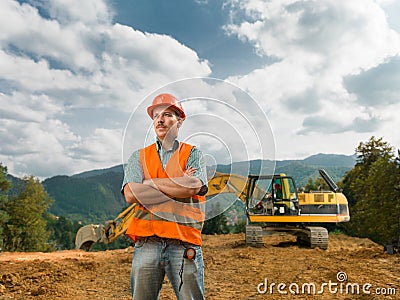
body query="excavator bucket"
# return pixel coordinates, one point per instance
(90, 234)
(87, 235)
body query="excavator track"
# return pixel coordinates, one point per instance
(313, 237)
(254, 236)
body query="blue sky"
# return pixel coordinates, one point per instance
(322, 75)
(198, 25)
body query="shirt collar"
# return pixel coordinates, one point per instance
(174, 146)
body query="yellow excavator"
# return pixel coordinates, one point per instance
(272, 204)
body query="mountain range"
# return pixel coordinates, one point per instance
(94, 196)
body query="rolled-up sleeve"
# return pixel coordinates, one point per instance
(196, 160)
(133, 171)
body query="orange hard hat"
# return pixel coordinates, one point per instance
(166, 99)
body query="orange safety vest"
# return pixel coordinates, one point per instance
(180, 219)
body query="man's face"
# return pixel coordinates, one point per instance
(166, 122)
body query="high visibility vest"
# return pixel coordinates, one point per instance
(180, 219)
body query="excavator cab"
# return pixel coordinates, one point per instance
(272, 195)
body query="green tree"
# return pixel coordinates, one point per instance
(370, 151)
(217, 224)
(62, 232)
(26, 228)
(318, 185)
(371, 190)
(239, 227)
(310, 186)
(4, 216)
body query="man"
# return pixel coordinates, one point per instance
(168, 181)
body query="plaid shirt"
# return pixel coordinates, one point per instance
(133, 171)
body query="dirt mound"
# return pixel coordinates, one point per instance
(233, 271)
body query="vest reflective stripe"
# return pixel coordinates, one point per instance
(194, 211)
(170, 216)
(168, 230)
(176, 219)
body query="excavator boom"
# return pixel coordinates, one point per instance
(89, 234)
(222, 183)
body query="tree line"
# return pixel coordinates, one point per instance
(27, 225)
(372, 188)
(22, 223)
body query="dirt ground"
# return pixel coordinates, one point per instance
(232, 271)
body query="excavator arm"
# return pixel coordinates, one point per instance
(89, 234)
(228, 183)
(222, 183)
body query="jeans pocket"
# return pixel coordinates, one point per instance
(186, 245)
(140, 242)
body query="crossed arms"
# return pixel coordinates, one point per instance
(158, 190)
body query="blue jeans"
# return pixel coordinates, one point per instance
(154, 257)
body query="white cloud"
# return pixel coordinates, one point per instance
(84, 56)
(33, 139)
(145, 58)
(318, 44)
(103, 146)
(33, 35)
(377, 87)
(71, 11)
(385, 2)
(75, 58)
(27, 108)
(327, 35)
(27, 145)
(24, 73)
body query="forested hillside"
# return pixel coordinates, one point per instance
(94, 196)
(87, 199)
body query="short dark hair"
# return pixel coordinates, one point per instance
(177, 113)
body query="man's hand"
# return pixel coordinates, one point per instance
(177, 187)
(190, 171)
(158, 190)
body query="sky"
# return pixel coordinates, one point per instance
(278, 79)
